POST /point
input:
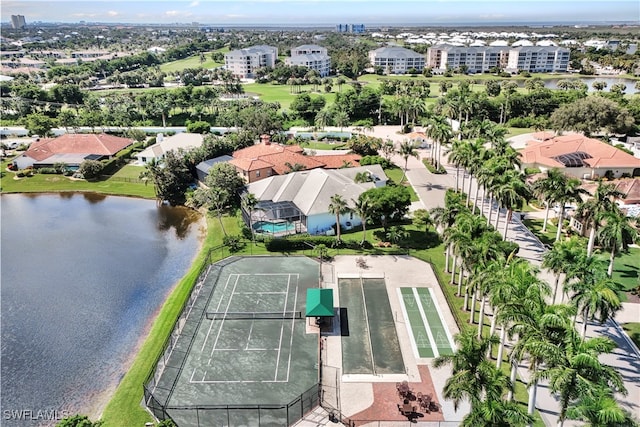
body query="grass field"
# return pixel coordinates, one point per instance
(633, 330)
(270, 92)
(193, 62)
(395, 175)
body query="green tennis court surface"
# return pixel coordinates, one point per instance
(372, 345)
(430, 337)
(245, 370)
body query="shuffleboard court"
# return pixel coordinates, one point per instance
(429, 336)
(372, 346)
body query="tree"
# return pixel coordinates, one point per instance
(389, 203)
(150, 173)
(407, 149)
(562, 254)
(338, 206)
(38, 124)
(545, 190)
(592, 114)
(511, 194)
(469, 368)
(224, 175)
(199, 127)
(396, 234)
(592, 211)
(90, 169)
(78, 421)
(249, 203)
(363, 208)
(218, 199)
(617, 233)
(422, 218)
(600, 409)
(580, 371)
(567, 190)
(172, 180)
(341, 119)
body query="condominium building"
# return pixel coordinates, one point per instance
(18, 22)
(396, 59)
(350, 28)
(539, 59)
(481, 59)
(244, 62)
(311, 56)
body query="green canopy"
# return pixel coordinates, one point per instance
(319, 302)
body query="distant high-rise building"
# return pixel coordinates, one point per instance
(18, 22)
(350, 28)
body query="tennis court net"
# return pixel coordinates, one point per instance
(261, 315)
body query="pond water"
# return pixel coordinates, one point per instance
(83, 275)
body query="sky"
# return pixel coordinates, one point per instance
(246, 12)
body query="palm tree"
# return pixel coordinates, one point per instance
(249, 203)
(545, 190)
(477, 156)
(396, 233)
(363, 208)
(458, 157)
(617, 233)
(338, 206)
(511, 194)
(341, 119)
(562, 254)
(600, 409)
(567, 191)
(407, 149)
(151, 172)
(580, 371)
(440, 132)
(219, 198)
(596, 297)
(592, 211)
(469, 367)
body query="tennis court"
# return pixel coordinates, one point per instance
(429, 337)
(372, 346)
(249, 355)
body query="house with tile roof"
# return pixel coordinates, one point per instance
(179, 141)
(580, 157)
(263, 160)
(71, 149)
(299, 201)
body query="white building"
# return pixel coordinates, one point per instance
(311, 56)
(396, 59)
(538, 59)
(163, 145)
(18, 22)
(244, 62)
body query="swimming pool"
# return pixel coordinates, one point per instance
(273, 227)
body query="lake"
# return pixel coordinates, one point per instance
(83, 276)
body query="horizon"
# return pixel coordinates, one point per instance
(301, 13)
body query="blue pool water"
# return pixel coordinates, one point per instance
(273, 227)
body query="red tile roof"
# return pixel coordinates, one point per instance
(602, 154)
(250, 164)
(102, 144)
(282, 160)
(336, 162)
(628, 186)
(259, 150)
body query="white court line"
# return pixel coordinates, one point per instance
(215, 344)
(444, 325)
(259, 293)
(366, 318)
(236, 381)
(248, 349)
(295, 303)
(217, 308)
(284, 309)
(432, 340)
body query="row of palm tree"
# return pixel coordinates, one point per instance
(543, 334)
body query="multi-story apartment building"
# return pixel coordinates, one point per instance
(539, 59)
(18, 22)
(396, 59)
(350, 28)
(311, 56)
(244, 62)
(481, 59)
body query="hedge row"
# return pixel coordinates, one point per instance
(302, 242)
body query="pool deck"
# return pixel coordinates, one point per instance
(374, 397)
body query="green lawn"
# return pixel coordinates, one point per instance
(193, 62)
(129, 171)
(633, 330)
(271, 92)
(41, 183)
(626, 269)
(395, 175)
(535, 225)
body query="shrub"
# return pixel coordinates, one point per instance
(48, 171)
(375, 160)
(439, 171)
(234, 243)
(90, 168)
(531, 171)
(302, 241)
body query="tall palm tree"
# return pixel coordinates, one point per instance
(600, 409)
(338, 206)
(458, 157)
(151, 172)
(579, 371)
(440, 131)
(477, 156)
(469, 368)
(511, 193)
(249, 203)
(563, 254)
(407, 149)
(567, 191)
(616, 233)
(363, 208)
(545, 190)
(593, 210)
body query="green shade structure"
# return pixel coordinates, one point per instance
(319, 302)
